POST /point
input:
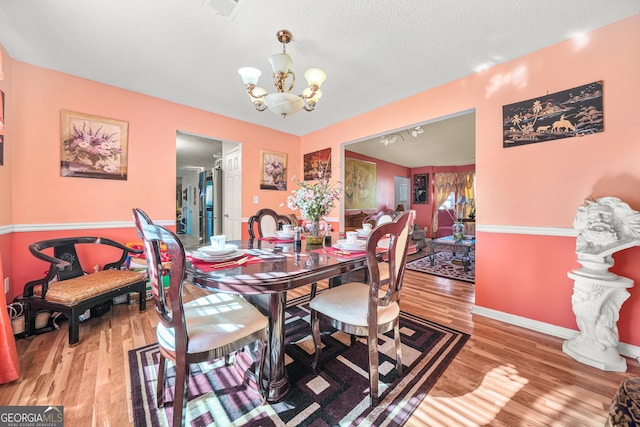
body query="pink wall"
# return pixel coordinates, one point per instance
(39, 196)
(536, 186)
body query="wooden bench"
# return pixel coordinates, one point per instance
(68, 289)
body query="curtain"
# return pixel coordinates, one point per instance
(466, 187)
(444, 183)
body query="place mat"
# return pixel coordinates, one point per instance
(340, 253)
(219, 265)
(275, 239)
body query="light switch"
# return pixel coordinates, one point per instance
(255, 200)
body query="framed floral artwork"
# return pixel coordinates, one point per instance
(92, 146)
(273, 170)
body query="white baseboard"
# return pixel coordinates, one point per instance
(546, 328)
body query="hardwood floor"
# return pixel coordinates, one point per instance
(504, 376)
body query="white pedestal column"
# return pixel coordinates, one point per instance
(596, 304)
(604, 226)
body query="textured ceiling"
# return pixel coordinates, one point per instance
(374, 51)
(447, 142)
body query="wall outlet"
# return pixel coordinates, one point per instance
(255, 200)
(6, 285)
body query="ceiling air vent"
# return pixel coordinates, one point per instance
(226, 8)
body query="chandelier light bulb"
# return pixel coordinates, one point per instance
(315, 76)
(249, 75)
(280, 63)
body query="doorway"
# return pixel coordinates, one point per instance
(200, 188)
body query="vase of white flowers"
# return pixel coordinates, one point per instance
(315, 200)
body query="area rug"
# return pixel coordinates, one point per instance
(443, 266)
(339, 395)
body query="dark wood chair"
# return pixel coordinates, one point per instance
(366, 311)
(354, 221)
(268, 222)
(70, 289)
(198, 330)
(381, 217)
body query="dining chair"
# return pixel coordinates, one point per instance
(203, 329)
(366, 310)
(381, 217)
(268, 222)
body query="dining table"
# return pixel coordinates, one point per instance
(264, 271)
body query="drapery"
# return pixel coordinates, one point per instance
(10, 366)
(445, 183)
(466, 187)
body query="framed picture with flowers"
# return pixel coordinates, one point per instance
(273, 170)
(92, 146)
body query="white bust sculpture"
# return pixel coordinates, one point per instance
(604, 226)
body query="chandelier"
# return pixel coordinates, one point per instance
(392, 138)
(283, 102)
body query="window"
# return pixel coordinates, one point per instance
(449, 202)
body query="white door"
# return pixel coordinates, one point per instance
(232, 205)
(402, 187)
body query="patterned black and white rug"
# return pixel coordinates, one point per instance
(338, 395)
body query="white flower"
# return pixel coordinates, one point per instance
(314, 200)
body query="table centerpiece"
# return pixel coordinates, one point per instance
(315, 200)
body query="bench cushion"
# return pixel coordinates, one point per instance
(71, 291)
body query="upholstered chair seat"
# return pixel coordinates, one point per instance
(349, 303)
(234, 319)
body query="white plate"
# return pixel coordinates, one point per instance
(215, 258)
(362, 232)
(211, 251)
(344, 245)
(284, 234)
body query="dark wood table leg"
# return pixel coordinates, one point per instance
(275, 373)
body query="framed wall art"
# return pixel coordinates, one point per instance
(570, 113)
(359, 184)
(421, 188)
(93, 147)
(273, 170)
(317, 165)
